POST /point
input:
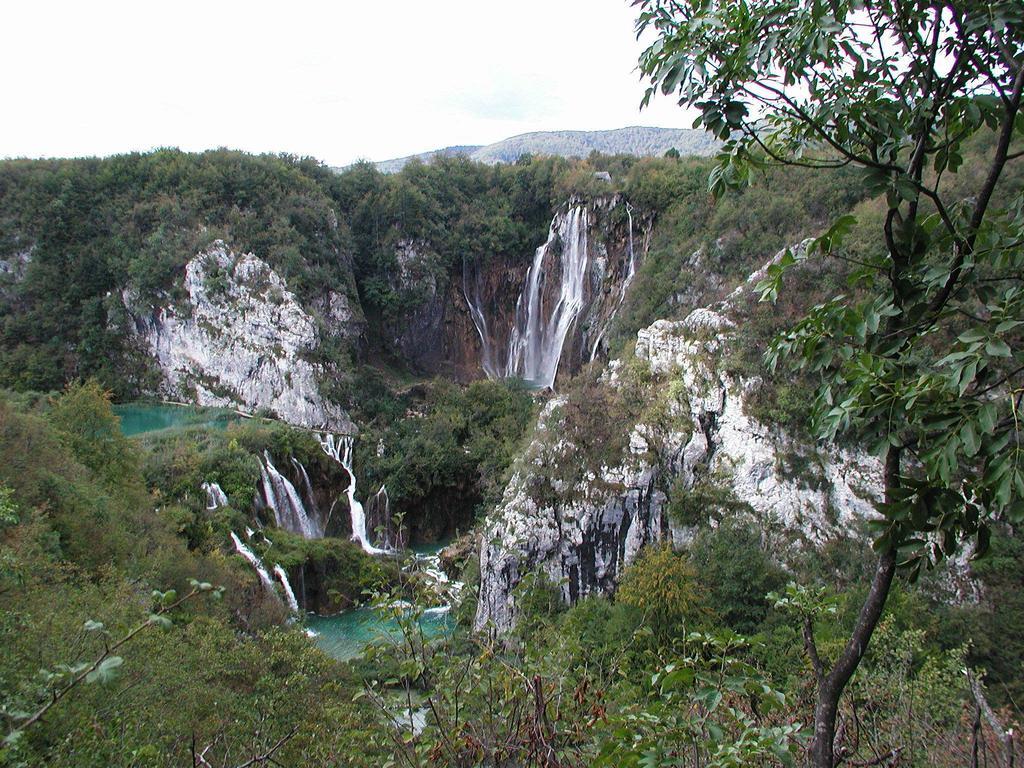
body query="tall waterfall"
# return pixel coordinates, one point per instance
(535, 346)
(215, 496)
(340, 449)
(289, 512)
(480, 323)
(282, 576)
(254, 561)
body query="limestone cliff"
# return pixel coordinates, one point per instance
(239, 339)
(581, 523)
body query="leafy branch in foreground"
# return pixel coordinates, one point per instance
(104, 668)
(922, 359)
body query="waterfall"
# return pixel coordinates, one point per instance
(630, 274)
(632, 257)
(535, 346)
(307, 486)
(340, 449)
(282, 576)
(254, 561)
(378, 514)
(448, 592)
(215, 496)
(480, 323)
(283, 499)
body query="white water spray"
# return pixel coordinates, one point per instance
(308, 486)
(282, 576)
(340, 449)
(283, 499)
(215, 496)
(254, 561)
(535, 346)
(480, 323)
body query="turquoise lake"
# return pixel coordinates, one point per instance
(140, 418)
(345, 635)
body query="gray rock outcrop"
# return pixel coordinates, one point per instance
(240, 339)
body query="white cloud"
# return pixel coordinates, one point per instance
(336, 80)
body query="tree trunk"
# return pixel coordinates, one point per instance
(831, 686)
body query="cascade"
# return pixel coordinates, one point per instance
(282, 576)
(340, 449)
(535, 346)
(378, 515)
(215, 496)
(448, 592)
(254, 561)
(284, 501)
(307, 486)
(480, 323)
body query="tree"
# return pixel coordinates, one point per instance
(922, 357)
(84, 414)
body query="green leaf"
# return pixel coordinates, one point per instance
(106, 672)
(997, 348)
(93, 626)
(987, 418)
(970, 439)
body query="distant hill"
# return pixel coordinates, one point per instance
(634, 140)
(396, 164)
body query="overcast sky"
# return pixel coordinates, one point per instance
(337, 80)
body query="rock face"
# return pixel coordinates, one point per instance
(469, 324)
(581, 527)
(12, 271)
(239, 340)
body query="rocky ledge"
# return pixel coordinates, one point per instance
(240, 340)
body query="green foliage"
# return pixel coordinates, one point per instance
(738, 573)
(459, 211)
(701, 247)
(84, 415)
(449, 461)
(94, 227)
(708, 705)
(993, 624)
(664, 587)
(702, 501)
(338, 573)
